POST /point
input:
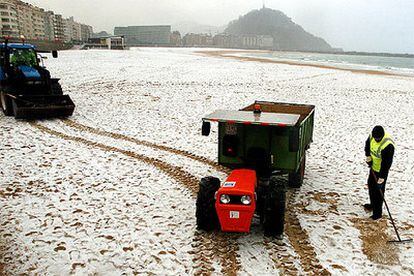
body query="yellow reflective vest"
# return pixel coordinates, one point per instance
(376, 148)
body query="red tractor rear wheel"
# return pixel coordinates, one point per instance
(274, 208)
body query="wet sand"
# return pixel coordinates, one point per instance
(229, 54)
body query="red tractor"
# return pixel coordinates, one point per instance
(260, 143)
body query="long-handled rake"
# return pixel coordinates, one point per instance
(389, 213)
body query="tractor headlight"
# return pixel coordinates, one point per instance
(246, 200)
(225, 199)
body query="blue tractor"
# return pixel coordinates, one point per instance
(27, 90)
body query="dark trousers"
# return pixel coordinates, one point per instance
(374, 194)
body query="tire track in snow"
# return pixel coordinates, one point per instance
(295, 80)
(219, 245)
(216, 245)
(113, 135)
(298, 237)
(281, 258)
(300, 240)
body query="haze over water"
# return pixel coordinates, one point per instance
(380, 63)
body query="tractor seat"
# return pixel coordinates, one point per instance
(258, 159)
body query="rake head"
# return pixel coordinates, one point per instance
(401, 241)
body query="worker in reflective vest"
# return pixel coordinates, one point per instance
(379, 152)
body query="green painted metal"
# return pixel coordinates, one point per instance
(277, 142)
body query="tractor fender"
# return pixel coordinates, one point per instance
(54, 80)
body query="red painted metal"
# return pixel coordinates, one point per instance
(235, 216)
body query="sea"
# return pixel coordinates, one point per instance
(398, 65)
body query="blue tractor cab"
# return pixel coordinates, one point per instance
(27, 90)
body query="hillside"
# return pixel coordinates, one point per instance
(287, 34)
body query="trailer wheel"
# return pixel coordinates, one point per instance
(6, 104)
(274, 209)
(56, 89)
(205, 210)
(296, 179)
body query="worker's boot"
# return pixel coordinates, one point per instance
(368, 207)
(375, 217)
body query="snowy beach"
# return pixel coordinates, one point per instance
(112, 189)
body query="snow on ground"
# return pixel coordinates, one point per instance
(71, 207)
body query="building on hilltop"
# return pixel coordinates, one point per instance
(145, 35)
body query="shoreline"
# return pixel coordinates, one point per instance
(225, 54)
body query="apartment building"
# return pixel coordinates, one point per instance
(59, 27)
(49, 25)
(8, 18)
(18, 18)
(72, 30)
(175, 38)
(198, 40)
(38, 22)
(86, 32)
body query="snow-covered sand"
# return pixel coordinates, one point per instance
(89, 196)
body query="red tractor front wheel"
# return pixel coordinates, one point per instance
(205, 209)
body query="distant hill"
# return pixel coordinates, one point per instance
(287, 34)
(100, 34)
(193, 27)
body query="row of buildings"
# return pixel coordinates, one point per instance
(162, 36)
(226, 41)
(18, 19)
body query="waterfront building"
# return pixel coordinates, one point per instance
(18, 18)
(8, 19)
(59, 27)
(49, 25)
(197, 40)
(106, 42)
(72, 30)
(175, 39)
(86, 32)
(145, 35)
(265, 42)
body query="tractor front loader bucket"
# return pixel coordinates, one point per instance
(43, 106)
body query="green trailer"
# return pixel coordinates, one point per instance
(259, 143)
(275, 137)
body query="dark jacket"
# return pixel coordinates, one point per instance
(387, 155)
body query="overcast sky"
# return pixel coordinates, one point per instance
(361, 25)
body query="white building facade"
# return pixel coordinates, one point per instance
(18, 19)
